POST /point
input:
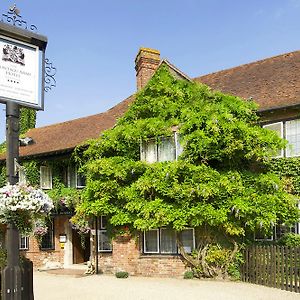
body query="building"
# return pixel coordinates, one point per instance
(273, 83)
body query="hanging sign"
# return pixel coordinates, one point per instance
(20, 72)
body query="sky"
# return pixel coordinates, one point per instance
(93, 44)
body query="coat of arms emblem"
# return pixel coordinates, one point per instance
(14, 54)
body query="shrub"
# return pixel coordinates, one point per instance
(188, 275)
(290, 239)
(122, 274)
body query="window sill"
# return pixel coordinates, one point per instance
(160, 255)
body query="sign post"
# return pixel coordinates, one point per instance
(22, 69)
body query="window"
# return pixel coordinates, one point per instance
(22, 176)
(47, 242)
(278, 128)
(24, 242)
(45, 177)
(104, 244)
(161, 149)
(163, 241)
(80, 180)
(290, 130)
(260, 235)
(75, 179)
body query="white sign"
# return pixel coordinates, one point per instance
(20, 78)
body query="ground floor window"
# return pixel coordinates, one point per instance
(47, 242)
(104, 243)
(163, 241)
(24, 243)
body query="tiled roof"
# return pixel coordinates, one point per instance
(272, 82)
(67, 135)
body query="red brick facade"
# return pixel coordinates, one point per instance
(127, 256)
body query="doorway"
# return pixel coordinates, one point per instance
(81, 247)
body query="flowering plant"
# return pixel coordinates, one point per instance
(40, 229)
(22, 205)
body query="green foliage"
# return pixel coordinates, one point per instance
(289, 170)
(122, 274)
(27, 119)
(212, 182)
(290, 239)
(32, 173)
(3, 257)
(2, 175)
(188, 275)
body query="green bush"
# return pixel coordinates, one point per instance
(290, 239)
(188, 275)
(122, 274)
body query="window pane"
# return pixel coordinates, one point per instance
(150, 151)
(293, 137)
(71, 176)
(46, 178)
(22, 176)
(168, 241)
(151, 241)
(166, 149)
(278, 128)
(187, 238)
(103, 222)
(48, 238)
(23, 242)
(179, 148)
(103, 241)
(80, 180)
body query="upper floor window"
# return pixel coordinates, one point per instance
(289, 130)
(75, 179)
(45, 177)
(161, 149)
(22, 176)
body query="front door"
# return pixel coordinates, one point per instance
(81, 247)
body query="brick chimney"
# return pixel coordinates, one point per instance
(146, 63)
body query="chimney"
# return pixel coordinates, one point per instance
(146, 63)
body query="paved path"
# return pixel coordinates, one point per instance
(49, 286)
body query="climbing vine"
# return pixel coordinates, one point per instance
(218, 181)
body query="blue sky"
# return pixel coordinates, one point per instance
(93, 43)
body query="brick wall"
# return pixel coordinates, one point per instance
(126, 256)
(41, 257)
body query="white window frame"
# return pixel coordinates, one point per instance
(194, 239)
(285, 126)
(41, 177)
(22, 176)
(76, 178)
(26, 239)
(266, 239)
(157, 241)
(175, 139)
(102, 230)
(158, 230)
(281, 135)
(160, 241)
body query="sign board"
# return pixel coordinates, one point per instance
(20, 73)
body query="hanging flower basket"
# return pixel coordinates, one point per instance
(22, 205)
